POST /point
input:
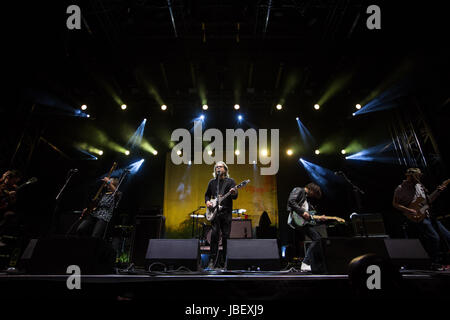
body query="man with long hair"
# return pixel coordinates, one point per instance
(221, 223)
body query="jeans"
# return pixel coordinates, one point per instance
(93, 227)
(430, 235)
(314, 254)
(222, 223)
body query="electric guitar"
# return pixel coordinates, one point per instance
(216, 207)
(5, 197)
(94, 202)
(422, 206)
(298, 221)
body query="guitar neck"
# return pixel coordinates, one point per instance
(433, 196)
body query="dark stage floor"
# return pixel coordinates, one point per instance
(223, 286)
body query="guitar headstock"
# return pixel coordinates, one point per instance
(32, 180)
(243, 183)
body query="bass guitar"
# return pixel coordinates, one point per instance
(94, 202)
(212, 212)
(298, 221)
(422, 206)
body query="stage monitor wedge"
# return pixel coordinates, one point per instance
(253, 254)
(172, 254)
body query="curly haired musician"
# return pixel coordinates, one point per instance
(407, 193)
(95, 224)
(298, 203)
(221, 184)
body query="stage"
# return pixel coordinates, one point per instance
(222, 286)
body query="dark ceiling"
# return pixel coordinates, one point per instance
(256, 53)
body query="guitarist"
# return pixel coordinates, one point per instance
(220, 185)
(408, 192)
(95, 223)
(8, 186)
(298, 203)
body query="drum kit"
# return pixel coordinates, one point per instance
(203, 232)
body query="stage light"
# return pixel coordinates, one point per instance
(123, 107)
(316, 106)
(380, 153)
(127, 152)
(100, 152)
(83, 107)
(353, 114)
(202, 117)
(289, 152)
(343, 151)
(358, 106)
(240, 117)
(279, 107)
(237, 152)
(179, 152)
(236, 107)
(320, 175)
(264, 153)
(210, 152)
(163, 107)
(305, 135)
(205, 107)
(88, 115)
(134, 167)
(317, 151)
(155, 152)
(189, 162)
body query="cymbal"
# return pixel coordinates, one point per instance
(239, 211)
(197, 216)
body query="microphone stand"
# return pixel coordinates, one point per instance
(192, 214)
(357, 192)
(53, 226)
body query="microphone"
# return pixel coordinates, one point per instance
(73, 170)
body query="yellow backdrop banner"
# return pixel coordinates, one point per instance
(185, 187)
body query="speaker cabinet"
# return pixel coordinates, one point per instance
(241, 229)
(145, 228)
(53, 255)
(408, 253)
(338, 252)
(173, 254)
(243, 254)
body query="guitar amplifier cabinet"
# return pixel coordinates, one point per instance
(241, 229)
(146, 227)
(368, 225)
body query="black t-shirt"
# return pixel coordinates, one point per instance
(224, 186)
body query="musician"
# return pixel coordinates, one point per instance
(298, 202)
(8, 186)
(95, 224)
(408, 192)
(221, 184)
